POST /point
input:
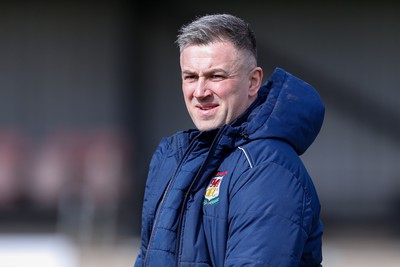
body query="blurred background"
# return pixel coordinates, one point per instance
(87, 90)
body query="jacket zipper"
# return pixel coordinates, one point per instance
(181, 215)
(156, 217)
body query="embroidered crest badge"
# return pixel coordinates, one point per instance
(212, 192)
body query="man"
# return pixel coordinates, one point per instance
(233, 192)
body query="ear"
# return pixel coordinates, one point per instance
(255, 79)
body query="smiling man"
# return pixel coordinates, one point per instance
(219, 83)
(233, 191)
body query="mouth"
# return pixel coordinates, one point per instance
(207, 111)
(206, 106)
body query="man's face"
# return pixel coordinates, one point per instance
(218, 83)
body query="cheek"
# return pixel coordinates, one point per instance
(187, 92)
(233, 93)
(237, 100)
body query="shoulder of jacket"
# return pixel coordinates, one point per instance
(262, 150)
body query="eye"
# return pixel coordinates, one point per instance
(217, 77)
(189, 77)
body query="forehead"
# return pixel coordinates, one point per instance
(210, 55)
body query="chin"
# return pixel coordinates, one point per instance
(208, 126)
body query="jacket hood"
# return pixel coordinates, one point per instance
(287, 108)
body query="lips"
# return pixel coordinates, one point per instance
(207, 106)
(206, 111)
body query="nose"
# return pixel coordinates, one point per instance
(201, 90)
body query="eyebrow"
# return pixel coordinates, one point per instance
(214, 70)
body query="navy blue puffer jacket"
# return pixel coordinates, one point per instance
(238, 195)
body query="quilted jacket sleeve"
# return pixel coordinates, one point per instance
(150, 198)
(270, 219)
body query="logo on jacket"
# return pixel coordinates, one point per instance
(212, 192)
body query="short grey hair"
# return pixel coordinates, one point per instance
(216, 28)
